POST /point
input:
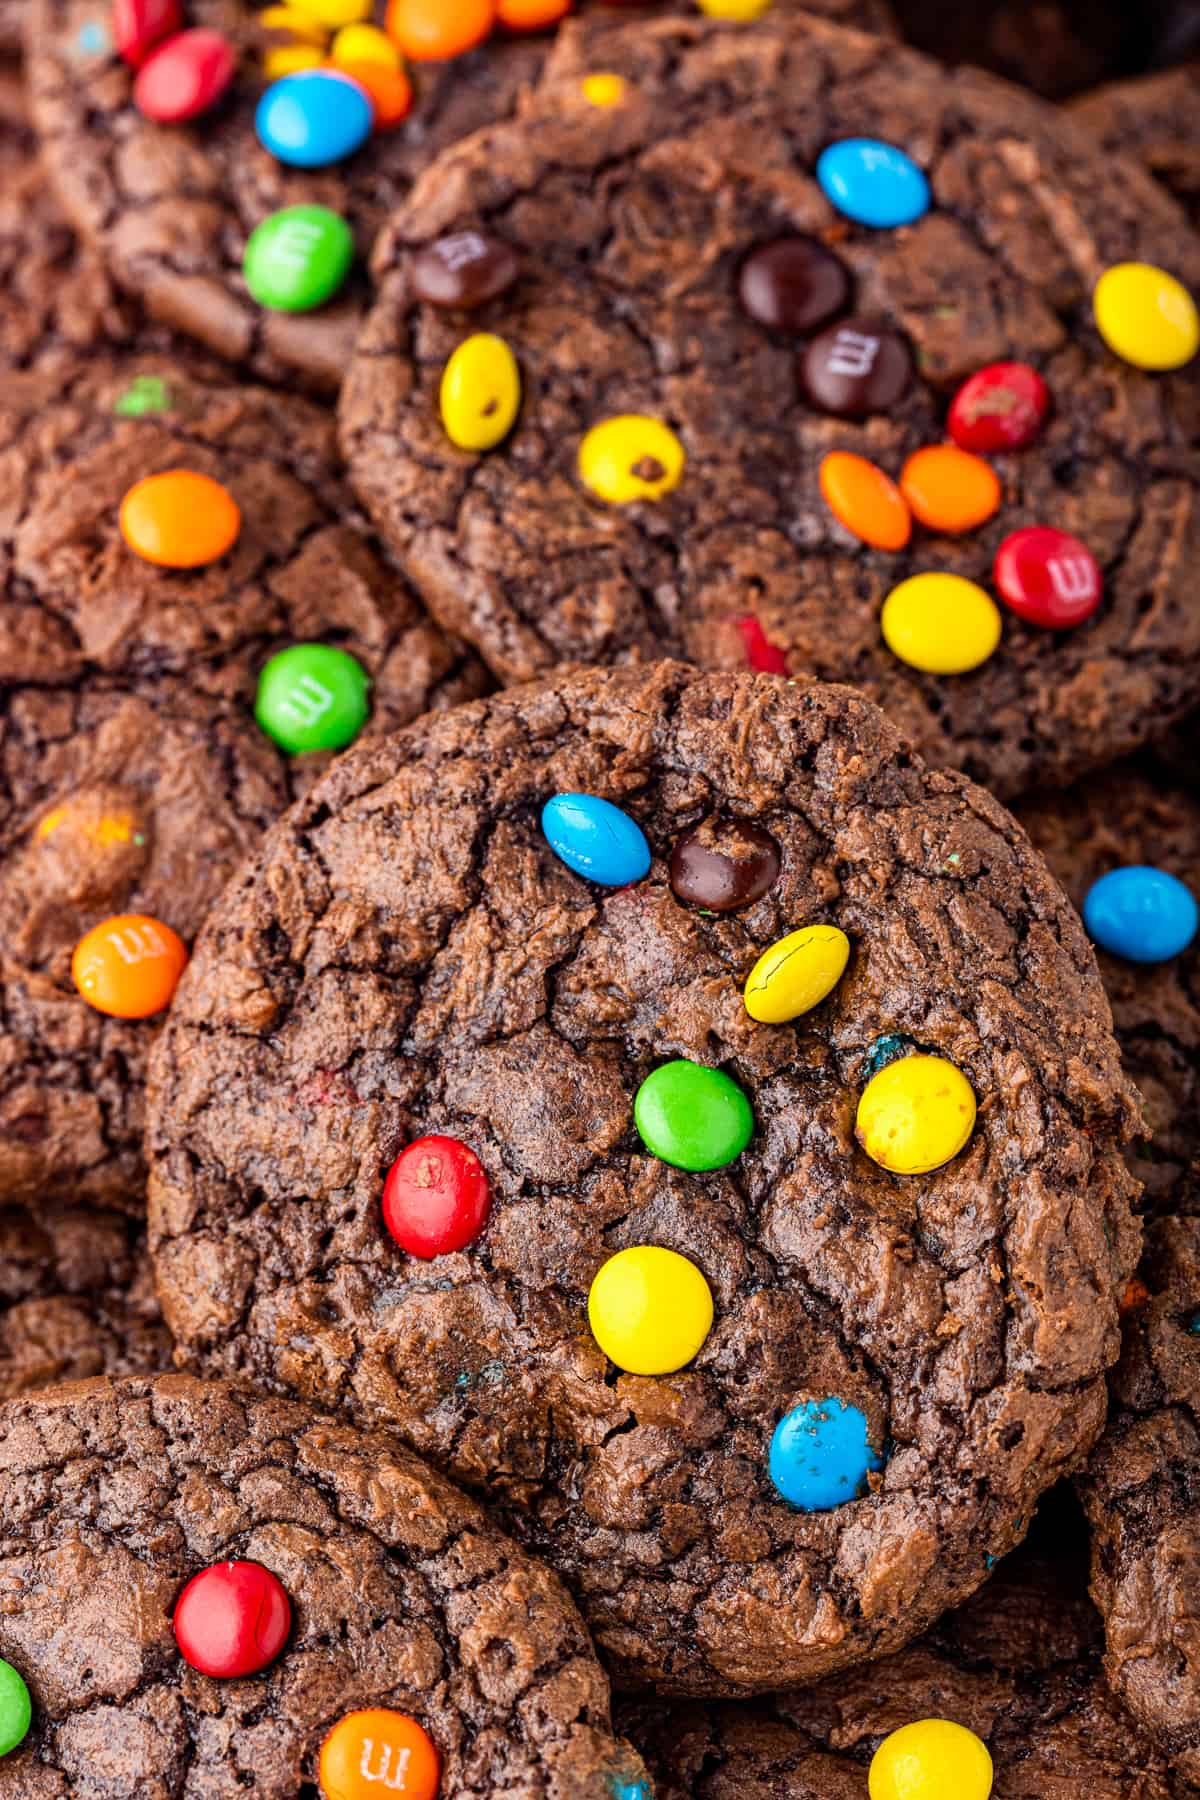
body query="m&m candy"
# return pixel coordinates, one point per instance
(856, 368)
(138, 25)
(333, 14)
(942, 624)
(378, 1751)
(1002, 407)
(436, 1198)
(792, 284)
(764, 657)
(603, 88)
(232, 1619)
(530, 15)
(932, 1759)
(480, 393)
(865, 500)
(313, 118)
(434, 30)
(388, 90)
(693, 1117)
(16, 1710)
(1143, 914)
(723, 864)
(949, 489)
(596, 839)
(650, 1310)
(821, 1455)
(312, 697)
(796, 973)
(298, 258)
(463, 270)
(1048, 577)
(1146, 317)
(184, 77)
(872, 182)
(916, 1114)
(179, 519)
(630, 458)
(361, 44)
(129, 966)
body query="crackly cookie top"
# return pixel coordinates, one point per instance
(382, 1587)
(599, 1109)
(1157, 120)
(758, 288)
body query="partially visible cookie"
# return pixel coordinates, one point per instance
(1019, 1665)
(76, 1298)
(697, 523)
(376, 1586)
(1157, 120)
(135, 775)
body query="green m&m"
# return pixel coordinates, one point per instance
(312, 697)
(15, 1709)
(693, 1117)
(298, 258)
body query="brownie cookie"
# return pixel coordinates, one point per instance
(1128, 817)
(135, 776)
(1141, 1491)
(378, 1586)
(76, 1299)
(171, 209)
(409, 959)
(1019, 1665)
(1157, 120)
(663, 488)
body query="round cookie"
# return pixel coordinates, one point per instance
(1129, 816)
(135, 777)
(407, 957)
(633, 223)
(1157, 120)
(171, 210)
(76, 1299)
(1019, 1665)
(1140, 1488)
(403, 1596)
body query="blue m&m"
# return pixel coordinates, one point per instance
(313, 118)
(873, 183)
(1141, 913)
(596, 839)
(821, 1456)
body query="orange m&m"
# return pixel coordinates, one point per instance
(531, 15)
(388, 90)
(432, 30)
(179, 520)
(950, 489)
(865, 500)
(377, 1750)
(129, 966)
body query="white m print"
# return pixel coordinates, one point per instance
(1071, 577)
(397, 1778)
(307, 701)
(853, 354)
(295, 243)
(464, 247)
(136, 943)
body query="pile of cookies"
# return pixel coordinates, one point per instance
(599, 859)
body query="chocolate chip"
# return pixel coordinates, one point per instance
(793, 284)
(463, 271)
(855, 368)
(723, 864)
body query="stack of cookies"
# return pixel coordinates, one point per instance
(599, 857)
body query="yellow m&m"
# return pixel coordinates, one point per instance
(650, 1310)
(932, 1759)
(603, 89)
(481, 393)
(916, 1114)
(364, 44)
(942, 624)
(740, 11)
(796, 973)
(1146, 317)
(630, 458)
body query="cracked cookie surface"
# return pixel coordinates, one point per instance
(632, 222)
(1157, 120)
(135, 776)
(403, 1595)
(407, 956)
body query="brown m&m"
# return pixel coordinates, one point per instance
(463, 271)
(723, 864)
(792, 284)
(856, 368)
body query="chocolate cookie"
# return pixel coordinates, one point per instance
(409, 959)
(135, 774)
(1141, 1491)
(76, 1299)
(1156, 120)
(1129, 817)
(664, 486)
(1019, 1665)
(171, 209)
(377, 1585)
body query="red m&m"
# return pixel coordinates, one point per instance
(1002, 407)
(184, 77)
(137, 25)
(232, 1619)
(1048, 577)
(761, 653)
(436, 1197)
